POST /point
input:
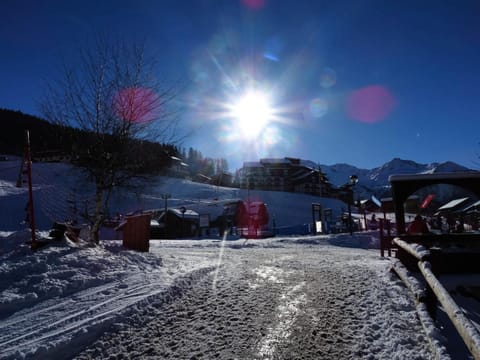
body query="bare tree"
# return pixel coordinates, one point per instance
(112, 97)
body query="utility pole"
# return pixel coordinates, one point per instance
(28, 160)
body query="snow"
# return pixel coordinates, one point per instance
(322, 296)
(316, 295)
(452, 204)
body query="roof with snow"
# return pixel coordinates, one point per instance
(472, 206)
(189, 214)
(452, 204)
(275, 161)
(309, 164)
(252, 164)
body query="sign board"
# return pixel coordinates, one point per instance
(316, 207)
(427, 201)
(204, 220)
(318, 226)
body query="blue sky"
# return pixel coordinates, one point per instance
(357, 82)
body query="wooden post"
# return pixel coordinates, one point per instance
(389, 237)
(382, 238)
(28, 160)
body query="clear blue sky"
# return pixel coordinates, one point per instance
(357, 82)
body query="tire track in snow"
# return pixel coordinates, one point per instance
(43, 311)
(88, 318)
(274, 303)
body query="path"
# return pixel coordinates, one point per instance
(279, 302)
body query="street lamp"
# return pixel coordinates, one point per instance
(353, 182)
(348, 189)
(183, 210)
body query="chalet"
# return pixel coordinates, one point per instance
(201, 178)
(175, 223)
(222, 179)
(453, 206)
(177, 167)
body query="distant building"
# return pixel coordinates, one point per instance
(284, 174)
(200, 178)
(223, 178)
(177, 167)
(411, 205)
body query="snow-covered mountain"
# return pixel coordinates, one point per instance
(375, 181)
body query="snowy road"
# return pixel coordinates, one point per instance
(273, 300)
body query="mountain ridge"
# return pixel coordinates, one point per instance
(375, 181)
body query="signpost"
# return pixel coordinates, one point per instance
(165, 197)
(317, 224)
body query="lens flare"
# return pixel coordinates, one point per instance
(273, 48)
(135, 104)
(318, 108)
(254, 4)
(328, 78)
(370, 104)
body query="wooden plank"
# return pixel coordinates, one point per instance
(464, 326)
(417, 251)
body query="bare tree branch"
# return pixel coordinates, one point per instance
(112, 97)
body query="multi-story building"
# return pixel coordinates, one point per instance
(287, 174)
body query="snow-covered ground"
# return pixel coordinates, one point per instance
(288, 297)
(291, 297)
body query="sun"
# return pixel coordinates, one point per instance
(252, 113)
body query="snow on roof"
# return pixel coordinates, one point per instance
(452, 204)
(189, 214)
(275, 161)
(301, 175)
(282, 161)
(309, 164)
(471, 206)
(252, 164)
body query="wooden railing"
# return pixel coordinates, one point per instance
(428, 264)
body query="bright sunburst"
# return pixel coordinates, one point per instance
(251, 113)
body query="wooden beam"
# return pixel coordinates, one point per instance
(419, 252)
(465, 328)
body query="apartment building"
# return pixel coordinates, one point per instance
(284, 174)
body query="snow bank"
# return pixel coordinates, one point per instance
(59, 269)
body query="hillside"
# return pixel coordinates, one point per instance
(47, 140)
(59, 192)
